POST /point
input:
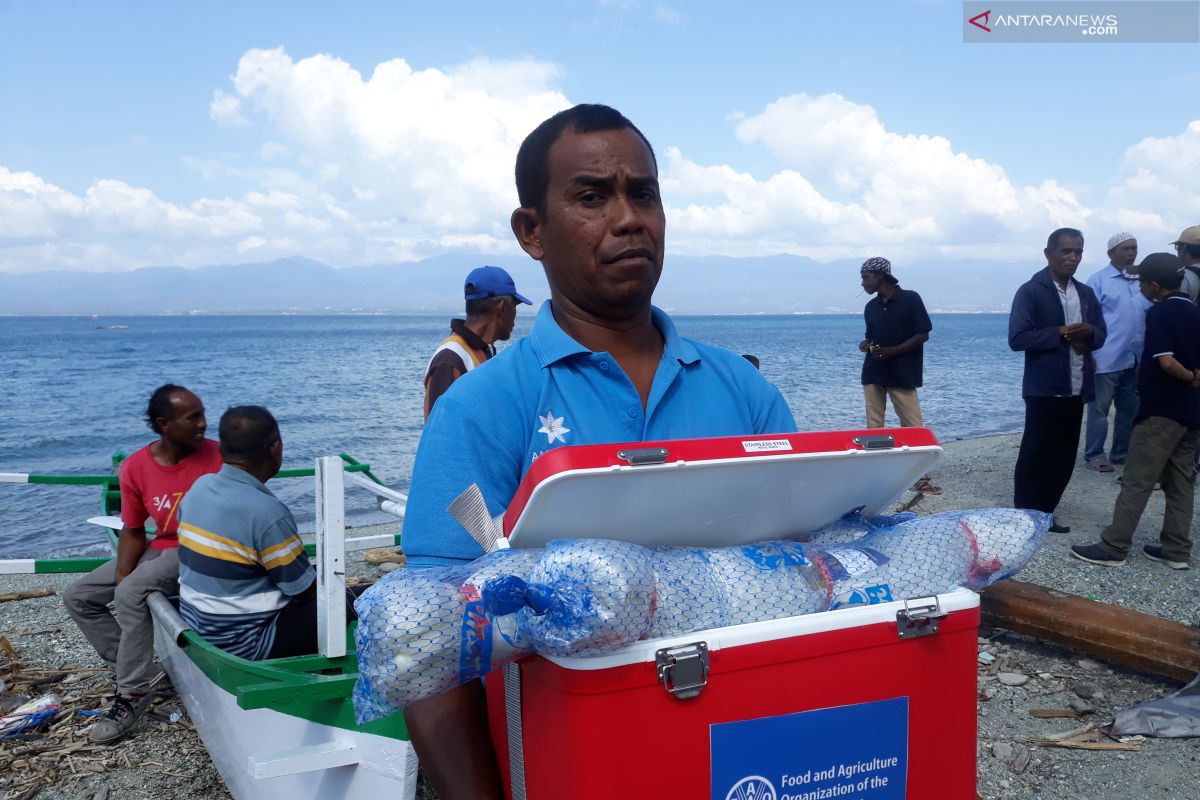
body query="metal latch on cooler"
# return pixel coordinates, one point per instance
(914, 620)
(879, 441)
(683, 670)
(644, 455)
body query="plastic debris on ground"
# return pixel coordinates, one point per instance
(422, 632)
(1174, 716)
(29, 716)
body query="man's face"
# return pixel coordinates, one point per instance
(1063, 259)
(1124, 254)
(871, 281)
(185, 425)
(600, 238)
(507, 317)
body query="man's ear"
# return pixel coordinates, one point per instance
(527, 227)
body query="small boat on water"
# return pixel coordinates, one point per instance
(281, 729)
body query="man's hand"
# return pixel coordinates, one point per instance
(1077, 332)
(864, 346)
(879, 351)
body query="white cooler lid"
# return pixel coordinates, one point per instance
(716, 492)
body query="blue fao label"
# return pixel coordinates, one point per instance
(858, 752)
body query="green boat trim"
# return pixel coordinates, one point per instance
(314, 687)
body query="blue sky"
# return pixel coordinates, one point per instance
(141, 134)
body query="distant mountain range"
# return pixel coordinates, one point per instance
(698, 285)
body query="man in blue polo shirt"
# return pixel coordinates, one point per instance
(601, 365)
(1167, 429)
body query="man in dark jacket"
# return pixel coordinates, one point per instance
(1057, 322)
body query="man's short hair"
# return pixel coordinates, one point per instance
(1057, 236)
(160, 404)
(533, 159)
(481, 308)
(247, 434)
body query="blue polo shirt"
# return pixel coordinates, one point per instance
(548, 391)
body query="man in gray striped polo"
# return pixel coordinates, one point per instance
(245, 583)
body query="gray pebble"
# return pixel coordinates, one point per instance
(1087, 691)
(1081, 707)
(1012, 678)
(1002, 750)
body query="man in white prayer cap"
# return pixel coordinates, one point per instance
(1124, 308)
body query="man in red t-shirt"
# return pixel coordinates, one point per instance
(153, 481)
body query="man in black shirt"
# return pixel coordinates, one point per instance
(1167, 428)
(897, 329)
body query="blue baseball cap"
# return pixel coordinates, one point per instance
(485, 282)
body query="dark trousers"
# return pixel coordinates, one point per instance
(1048, 449)
(296, 625)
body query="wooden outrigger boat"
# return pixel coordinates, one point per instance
(281, 728)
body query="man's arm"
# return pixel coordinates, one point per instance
(1179, 372)
(1025, 331)
(450, 734)
(445, 369)
(281, 553)
(1099, 328)
(131, 544)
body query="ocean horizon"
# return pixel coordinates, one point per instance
(75, 387)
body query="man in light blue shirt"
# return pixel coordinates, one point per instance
(601, 365)
(1117, 361)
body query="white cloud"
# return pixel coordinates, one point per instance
(226, 109)
(402, 163)
(436, 145)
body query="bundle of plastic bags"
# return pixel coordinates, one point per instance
(421, 632)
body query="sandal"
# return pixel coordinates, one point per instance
(924, 486)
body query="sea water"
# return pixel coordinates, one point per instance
(73, 390)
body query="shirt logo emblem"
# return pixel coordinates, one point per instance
(553, 427)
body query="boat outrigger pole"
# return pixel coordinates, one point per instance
(350, 471)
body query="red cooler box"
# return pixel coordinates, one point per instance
(873, 702)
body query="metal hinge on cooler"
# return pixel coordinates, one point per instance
(683, 670)
(919, 617)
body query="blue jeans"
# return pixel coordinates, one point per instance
(1112, 388)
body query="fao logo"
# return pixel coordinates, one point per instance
(754, 787)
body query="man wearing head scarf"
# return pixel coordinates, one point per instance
(897, 329)
(1124, 308)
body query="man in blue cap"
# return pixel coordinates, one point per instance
(492, 300)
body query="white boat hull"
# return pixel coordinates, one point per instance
(266, 755)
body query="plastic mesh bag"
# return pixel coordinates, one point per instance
(929, 555)
(422, 632)
(853, 526)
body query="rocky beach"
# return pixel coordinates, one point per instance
(1017, 675)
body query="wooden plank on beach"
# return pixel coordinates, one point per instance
(28, 594)
(1112, 633)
